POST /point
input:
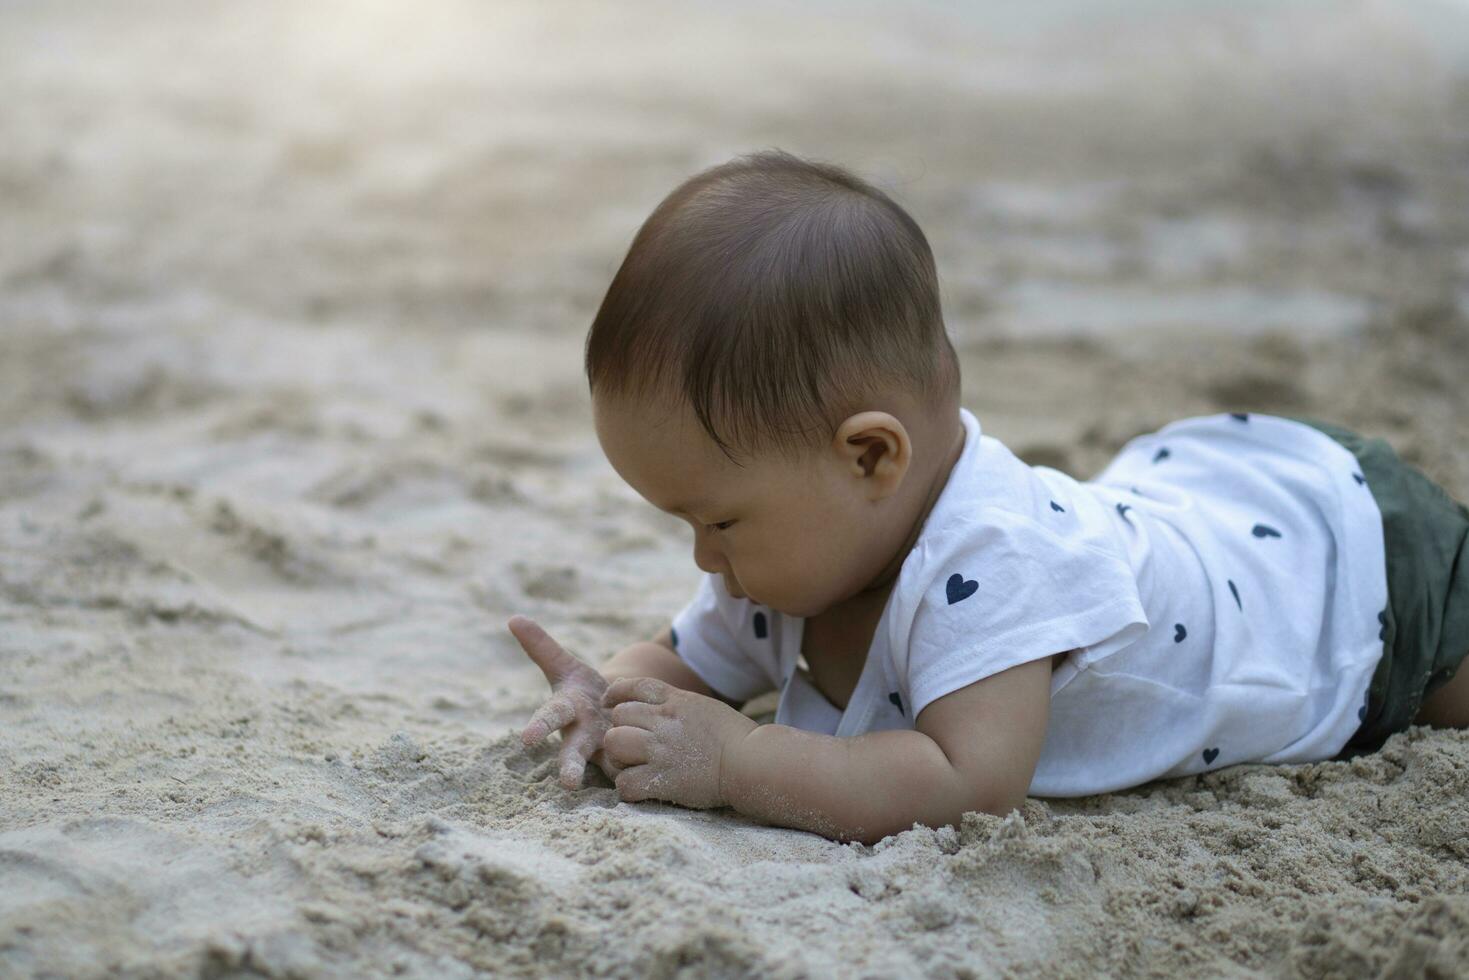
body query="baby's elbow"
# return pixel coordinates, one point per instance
(953, 818)
(999, 806)
(995, 783)
(1003, 806)
(953, 814)
(998, 801)
(941, 805)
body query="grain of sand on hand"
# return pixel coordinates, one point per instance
(291, 420)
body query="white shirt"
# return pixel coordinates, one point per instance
(1220, 583)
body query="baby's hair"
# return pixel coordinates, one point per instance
(775, 295)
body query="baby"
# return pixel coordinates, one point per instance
(949, 628)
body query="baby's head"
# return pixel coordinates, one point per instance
(770, 364)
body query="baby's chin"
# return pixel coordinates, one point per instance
(796, 607)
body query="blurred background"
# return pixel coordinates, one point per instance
(292, 298)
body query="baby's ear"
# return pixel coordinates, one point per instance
(874, 446)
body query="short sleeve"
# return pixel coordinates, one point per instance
(705, 634)
(997, 590)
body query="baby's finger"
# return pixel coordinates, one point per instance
(545, 652)
(552, 716)
(626, 746)
(573, 767)
(649, 689)
(608, 765)
(632, 784)
(576, 752)
(638, 714)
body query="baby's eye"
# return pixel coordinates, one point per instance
(720, 526)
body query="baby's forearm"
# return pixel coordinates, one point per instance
(653, 660)
(861, 788)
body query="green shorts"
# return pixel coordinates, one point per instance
(1425, 629)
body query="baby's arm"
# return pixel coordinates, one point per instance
(656, 658)
(974, 749)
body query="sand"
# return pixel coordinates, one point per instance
(291, 421)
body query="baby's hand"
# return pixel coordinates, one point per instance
(670, 744)
(575, 704)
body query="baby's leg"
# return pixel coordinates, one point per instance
(1448, 705)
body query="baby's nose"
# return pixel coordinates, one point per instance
(708, 559)
(707, 562)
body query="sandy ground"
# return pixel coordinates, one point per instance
(291, 420)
